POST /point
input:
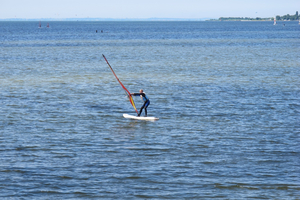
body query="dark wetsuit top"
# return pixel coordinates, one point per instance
(146, 102)
(145, 98)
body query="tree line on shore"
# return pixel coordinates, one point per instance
(284, 17)
(288, 17)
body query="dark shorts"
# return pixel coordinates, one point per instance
(147, 103)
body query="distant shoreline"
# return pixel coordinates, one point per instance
(287, 17)
(141, 20)
(277, 18)
(253, 20)
(107, 19)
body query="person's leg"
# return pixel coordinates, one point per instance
(146, 106)
(141, 110)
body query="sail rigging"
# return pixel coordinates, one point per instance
(127, 92)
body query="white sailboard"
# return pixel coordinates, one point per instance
(140, 118)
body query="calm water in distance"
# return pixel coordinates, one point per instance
(227, 95)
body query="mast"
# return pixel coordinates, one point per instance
(128, 93)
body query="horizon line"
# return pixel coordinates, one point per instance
(106, 19)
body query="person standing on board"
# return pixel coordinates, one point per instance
(145, 99)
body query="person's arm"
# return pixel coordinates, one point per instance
(136, 94)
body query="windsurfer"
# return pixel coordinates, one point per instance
(145, 99)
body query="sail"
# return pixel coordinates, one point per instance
(127, 92)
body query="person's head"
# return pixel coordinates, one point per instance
(141, 91)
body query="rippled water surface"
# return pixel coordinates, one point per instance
(227, 95)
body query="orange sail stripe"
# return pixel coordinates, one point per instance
(129, 95)
(132, 103)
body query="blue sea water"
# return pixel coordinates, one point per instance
(227, 95)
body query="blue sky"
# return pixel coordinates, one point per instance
(145, 9)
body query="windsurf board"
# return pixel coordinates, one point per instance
(140, 118)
